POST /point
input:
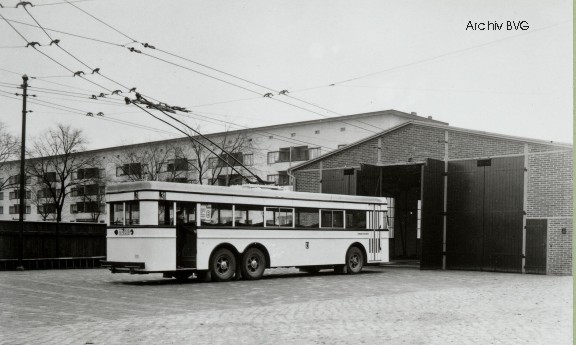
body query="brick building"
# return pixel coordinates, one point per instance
(460, 199)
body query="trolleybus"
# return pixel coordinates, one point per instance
(220, 233)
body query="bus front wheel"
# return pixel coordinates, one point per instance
(222, 265)
(253, 264)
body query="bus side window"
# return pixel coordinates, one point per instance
(165, 212)
(332, 219)
(307, 218)
(355, 219)
(116, 213)
(216, 215)
(132, 213)
(249, 215)
(188, 210)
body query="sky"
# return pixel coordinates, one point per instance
(333, 58)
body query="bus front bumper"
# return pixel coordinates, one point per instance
(124, 267)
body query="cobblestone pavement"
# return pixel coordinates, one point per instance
(379, 306)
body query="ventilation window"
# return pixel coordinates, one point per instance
(293, 134)
(317, 131)
(343, 129)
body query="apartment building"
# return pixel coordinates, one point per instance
(267, 152)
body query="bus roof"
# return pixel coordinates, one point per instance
(236, 191)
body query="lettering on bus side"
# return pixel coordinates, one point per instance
(124, 232)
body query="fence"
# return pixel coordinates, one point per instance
(50, 245)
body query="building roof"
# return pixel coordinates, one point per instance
(344, 118)
(434, 125)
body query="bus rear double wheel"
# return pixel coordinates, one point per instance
(222, 265)
(253, 264)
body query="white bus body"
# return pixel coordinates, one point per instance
(275, 228)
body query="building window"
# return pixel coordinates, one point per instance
(1, 195)
(87, 207)
(178, 164)
(87, 173)
(134, 169)
(225, 160)
(314, 152)
(50, 176)
(248, 159)
(1, 209)
(47, 208)
(290, 154)
(271, 137)
(15, 179)
(15, 209)
(273, 157)
(342, 129)
(317, 131)
(292, 134)
(16, 194)
(47, 193)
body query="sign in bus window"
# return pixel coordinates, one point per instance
(249, 215)
(332, 219)
(117, 213)
(132, 213)
(307, 218)
(277, 216)
(355, 219)
(216, 215)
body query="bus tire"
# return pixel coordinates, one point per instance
(354, 261)
(253, 264)
(222, 265)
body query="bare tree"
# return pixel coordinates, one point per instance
(42, 199)
(214, 168)
(54, 157)
(9, 149)
(166, 162)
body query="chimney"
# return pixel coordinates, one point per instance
(413, 113)
(429, 117)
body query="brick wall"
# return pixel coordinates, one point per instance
(307, 181)
(550, 185)
(549, 197)
(559, 251)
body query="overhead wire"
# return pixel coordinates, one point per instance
(228, 74)
(70, 54)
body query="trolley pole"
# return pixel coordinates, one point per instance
(22, 206)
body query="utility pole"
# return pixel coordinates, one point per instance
(22, 206)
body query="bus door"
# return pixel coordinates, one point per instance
(377, 222)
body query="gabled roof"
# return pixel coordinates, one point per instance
(433, 125)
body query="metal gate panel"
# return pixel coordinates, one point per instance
(485, 214)
(339, 181)
(464, 221)
(503, 214)
(432, 217)
(536, 232)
